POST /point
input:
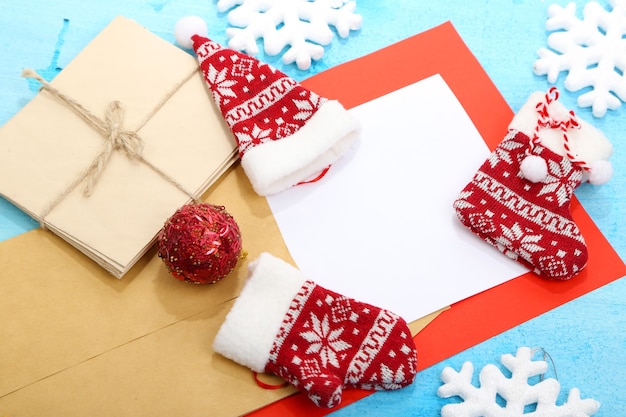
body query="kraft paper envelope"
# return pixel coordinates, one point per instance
(78, 343)
(47, 146)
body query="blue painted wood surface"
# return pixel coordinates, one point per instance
(586, 337)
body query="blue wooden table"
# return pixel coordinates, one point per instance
(586, 338)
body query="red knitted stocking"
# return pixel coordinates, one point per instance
(529, 222)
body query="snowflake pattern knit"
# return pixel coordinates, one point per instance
(328, 342)
(529, 222)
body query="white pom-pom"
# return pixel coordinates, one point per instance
(188, 26)
(534, 168)
(600, 172)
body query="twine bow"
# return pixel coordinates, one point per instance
(115, 139)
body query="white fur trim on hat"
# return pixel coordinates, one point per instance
(251, 326)
(277, 165)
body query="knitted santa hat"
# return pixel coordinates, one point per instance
(285, 133)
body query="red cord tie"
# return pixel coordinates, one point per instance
(546, 120)
(319, 177)
(265, 385)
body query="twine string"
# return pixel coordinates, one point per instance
(115, 139)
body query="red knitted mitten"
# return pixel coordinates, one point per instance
(318, 340)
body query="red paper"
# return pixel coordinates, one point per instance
(478, 318)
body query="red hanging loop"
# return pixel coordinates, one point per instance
(265, 385)
(319, 177)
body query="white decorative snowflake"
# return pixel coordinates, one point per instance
(592, 50)
(519, 396)
(303, 27)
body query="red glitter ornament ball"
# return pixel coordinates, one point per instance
(200, 243)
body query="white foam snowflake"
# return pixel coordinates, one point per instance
(300, 28)
(516, 395)
(592, 50)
